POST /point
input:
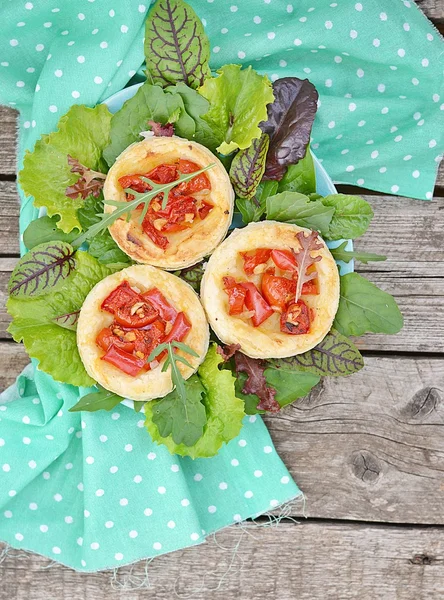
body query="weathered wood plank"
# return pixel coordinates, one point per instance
(309, 561)
(8, 120)
(433, 9)
(9, 214)
(367, 447)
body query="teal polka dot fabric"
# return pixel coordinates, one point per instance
(92, 491)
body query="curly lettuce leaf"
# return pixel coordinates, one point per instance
(238, 103)
(176, 46)
(82, 133)
(352, 216)
(224, 411)
(55, 347)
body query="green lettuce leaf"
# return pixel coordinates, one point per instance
(238, 103)
(292, 207)
(363, 308)
(44, 230)
(224, 411)
(176, 46)
(352, 216)
(53, 346)
(150, 103)
(192, 275)
(82, 133)
(252, 210)
(300, 177)
(340, 253)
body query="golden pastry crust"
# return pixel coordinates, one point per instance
(186, 247)
(154, 383)
(267, 341)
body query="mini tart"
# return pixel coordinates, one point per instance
(185, 247)
(267, 341)
(151, 384)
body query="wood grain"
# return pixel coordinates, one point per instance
(433, 9)
(367, 447)
(309, 561)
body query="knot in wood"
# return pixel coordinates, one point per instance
(366, 466)
(423, 403)
(422, 559)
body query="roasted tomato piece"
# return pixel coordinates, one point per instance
(310, 288)
(255, 302)
(188, 166)
(253, 259)
(124, 361)
(135, 182)
(205, 210)
(181, 327)
(236, 295)
(284, 260)
(147, 339)
(155, 236)
(179, 213)
(106, 338)
(192, 186)
(296, 319)
(160, 303)
(163, 174)
(277, 291)
(136, 315)
(121, 296)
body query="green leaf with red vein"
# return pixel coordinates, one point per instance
(176, 46)
(68, 320)
(43, 269)
(248, 167)
(335, 355)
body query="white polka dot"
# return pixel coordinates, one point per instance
(26, 420)
(123, 502)
(124, 28)
(161, 489)
(95, 546)
(69, 520)
(285, 479)
(361, 123)
(46, 475)
(358, 6)
(257, 20)
(353, 34)
(416, 174)
(274, 503)
(53, 108)
(234, 462)
(13, 42)
(137, 479)
(29, 6)
(32, 464)
(171, 524)
(420, 123)
(398, 138)
(241, 54)
(109, 524)
(133, 534)
(350, 168)
(56, 550)
(112, 13)
(69, 466)
(345, 151)
(415, 81)
(102, 438)
(4, 64)
(432, 144)
(128, 448)
(81, 59)
(328, 83)
(58, 73)
(429, 37)
(157, 546)
(185, 502)
(331, 125)
(258, 473)
(383, 16)
(212, 509)
(297, 42)
(55, 10)
(271, 35)
(26, 440)
(80, 541)
(383, 170)
(142, 8)
(65, 32)
(360, 73)
(242, 443)
(12, 493)
(81, 16)
(381, 88)
(198, 477)
(104, 45)
(194, 536)
(338, 59)
(401, 52)
(376, 42)
(43, 528)
(429, 195)
(31, 70)
(19, 537)
(374, 154)
(113, 469)
(100, 493)
(2, 442)
(58, 497)
(48, 24)
(360, 181)
(249, 494)
(395, 188)
(303, 19)
(224, 30)
(268, 449)
(408, 157)
(289, 8)
(40, 47)
(89, 460)
(148, 512)
(234, 8)
(384, 110)
(152, 456)
(8, 514)
(140, 423)
(352, 107)
(328, 24)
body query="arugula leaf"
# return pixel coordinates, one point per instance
(82, 133)
(192, 275)
(183, 420)
(101, 399)
(138, 406)
(300, 177)
(351, 218)
(248, 166)
(42, 270)
(224, 411)
(238, 103)
(54, 346)
(150, 103)
(365, 308)
(253, 210)
(289, 123)
(340, 253)
(335, 355)
(176, 46)
(292, 207)
(44, 229)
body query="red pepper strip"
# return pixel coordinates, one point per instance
(284, 260)
(158, 300)
(181, 327)
(236, 295)
(127, 363)
(255, 302)
(123, 295)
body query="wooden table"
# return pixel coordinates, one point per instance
(368, 451)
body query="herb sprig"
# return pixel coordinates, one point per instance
(126, 208)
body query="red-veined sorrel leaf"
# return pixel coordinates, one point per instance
(42, 270)
(176, 46)
(248, 166)
(68, 320)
